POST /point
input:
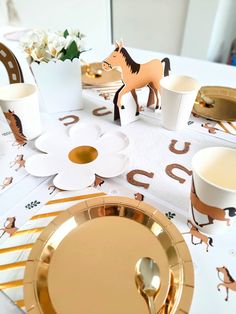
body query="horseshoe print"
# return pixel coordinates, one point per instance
(74, 118)
(11, 64)
(179, 151)
(131, 180)
(100, 112)
(170, 168)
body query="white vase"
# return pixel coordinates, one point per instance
(59, 84)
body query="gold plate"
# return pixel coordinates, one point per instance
(84, 261)
(223, 107)
(105, 77)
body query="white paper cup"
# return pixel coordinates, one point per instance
(20, 105)
(213, 193)
(178, 94)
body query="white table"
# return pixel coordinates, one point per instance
(207, 73)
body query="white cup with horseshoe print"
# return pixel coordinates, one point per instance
(213, 191)
(20, 105)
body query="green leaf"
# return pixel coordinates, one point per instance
(71, 52)
(66, 33)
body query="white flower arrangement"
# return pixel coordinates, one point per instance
(42, 46)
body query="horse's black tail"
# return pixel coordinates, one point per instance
(210, 241)
(167, 66)
(232, 211)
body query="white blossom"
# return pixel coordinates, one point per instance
(55, 44)
(40, 54)
(40, 45)
(36, 38)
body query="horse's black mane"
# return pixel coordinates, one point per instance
(17, 121)
(230, 277)
(134, 67)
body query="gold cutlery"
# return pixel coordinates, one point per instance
(147, 278)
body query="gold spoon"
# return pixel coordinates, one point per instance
(147, 278)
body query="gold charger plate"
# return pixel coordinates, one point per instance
(84, 261)
(223, 107)
(107, 77)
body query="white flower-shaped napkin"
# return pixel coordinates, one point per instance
(78, 155)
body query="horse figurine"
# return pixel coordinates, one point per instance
(19, 160)
(212, 212)
(16, 127)
(228, 282)
(135, 75)
(10, 228)
(197, 234)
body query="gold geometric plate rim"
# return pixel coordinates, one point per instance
(180, 264)
(225, 93)
(107, 77)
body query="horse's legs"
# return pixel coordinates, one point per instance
(219, 285)
(3, 232)
(12, 231)
(196, 243)
(192, 240)
(151, 97)
(207, 246)
(123, 91)
(227, 294)
(194, 216)
(155, 89)
(115, 99)
(134, 94)
(210, 222)
(12, 164)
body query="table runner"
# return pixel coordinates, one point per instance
(149, 151)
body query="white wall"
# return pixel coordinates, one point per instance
(150, 24)
(91, 17)
(210, 29)
(202, 29)
(198, 29)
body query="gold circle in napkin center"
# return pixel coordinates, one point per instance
(83, 154)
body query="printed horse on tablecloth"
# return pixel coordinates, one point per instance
(19, 160)
(7, 181)
(197, 234)
(135, 75)
(228, 282)
(9, 228)
(16, 127)
(212, 212)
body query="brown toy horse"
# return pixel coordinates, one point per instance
(9, 226)
(135, 75)
(228, 282)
